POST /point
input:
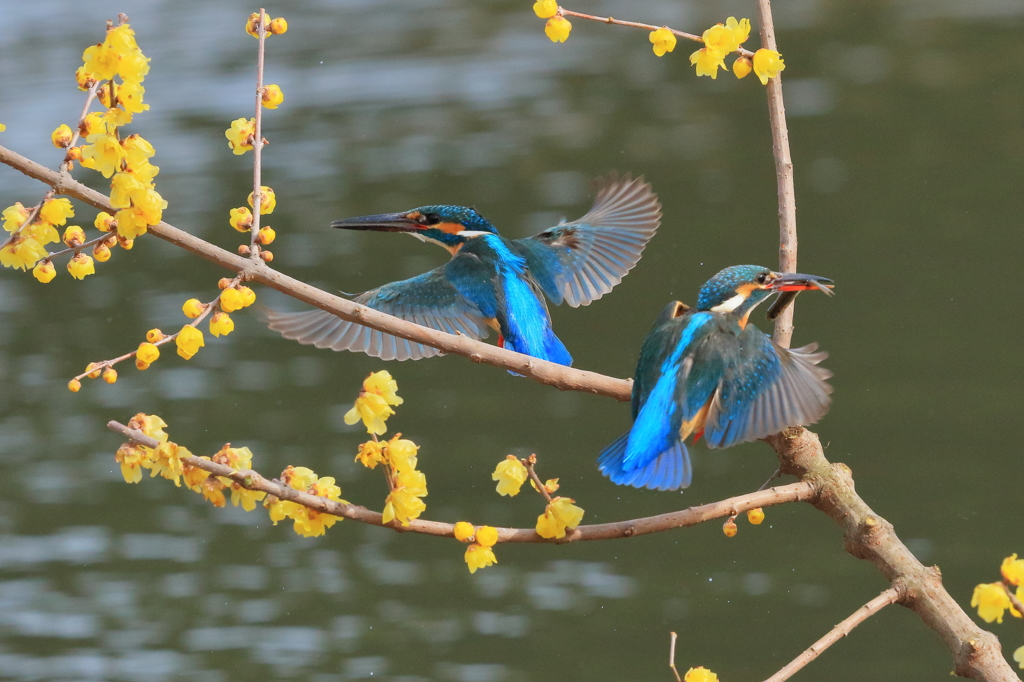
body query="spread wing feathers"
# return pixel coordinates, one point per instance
(581, 261)
(427, 300)
(670, 470)
(766, 389)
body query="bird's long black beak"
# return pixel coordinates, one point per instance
(382, 222)
(792, 281)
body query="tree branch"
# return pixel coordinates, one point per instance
(887, 597)
(563, 378)
(252, 480)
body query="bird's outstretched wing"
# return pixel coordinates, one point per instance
(581, 261)
(429, 300)
(765, 389)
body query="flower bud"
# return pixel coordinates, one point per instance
(44, 271)
(193, 308)
(74, 236)
(154, 335)
(267, 256)
(266, 235)
(278, 26)
(74, 385)
(730, 528)
(101, 252)
(61, 137)
(110, 375)
(755, 516)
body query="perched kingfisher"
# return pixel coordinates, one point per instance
(707, 371)
(492, 282)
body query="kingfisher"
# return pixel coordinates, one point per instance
(708, 372)
(492, 282)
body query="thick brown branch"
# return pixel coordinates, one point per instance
(563, 378)
(976, 652)
(252, 480)
(889, 596)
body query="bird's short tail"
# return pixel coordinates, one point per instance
(668, 471)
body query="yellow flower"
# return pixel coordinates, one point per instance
(383, 385)
(192, 308)
(213, 490)
(138, 150)
(755, 516)
(700, 674)
(991, 600)
(559, 515)
(266, 235)
(221, 324)
(74, 385)
(372, 405)
(130, 95)
(740, 30)
(278, 26)
(44, 271)
(729, 528)
(133, 67)
(370, 454)
(104, 153)
(401, 454)
(56, 211)
(116, 117)
(545, 9)
(557, 29)
(189, 341)
(2, 127)
(707, 62)
(664, 41)
(23, 252)
(61, 137)
(252, 23)
(300, 478)
(487, 536)
(464, 531)
(231, 300)
(123, 188)
(767, 64)
(742, 67)
(147, 352)
(1018, 656)
(268, 200)
(93, 124)
(166, 461)
(150, 424)
(310, 522)
(15, 216)
(131, 223)
(404, 502)
(240, 135)
(248, 296)
(194, 476)
(280, 509)
(241, 219)
(415, 482)
(1013, 570)
(719, 40)
(81, 265)
(101, 252)
(131, 458)
(121, 39)
(101, 61)
(247, 498)
(272, 96)
(510, 475)
(154, 335)
(44, 233)
(478, 556)
(74, 235)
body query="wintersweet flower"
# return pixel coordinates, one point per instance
(74, 385)
(707, 62)
(213, 490)
(755, 516)
(729, 528)
(138, 150)
(742, 67)
(131, 458)
(248, 296)
(280, 509)
(550, 485)
(92, 124)
(2, 127)
(560, 514)
(464, 531)
(165, 461)
(241, 219)
(189, 341)
(247, 498)
(15, 216)
(372, 405)
(101, 61)
(154, 335)
(104, 153)
(123, 188)
(510, 475)
(266, 235)
(700, 674)
(44, 271)
(664, 41)
(192, 308)
(487, 536)
(74, 235)
(130, 95)
(545, 9)
(478, 556)
(300, 478)
(44, 233)
(1013, 570)
(81, 265)
(150, 424)
(147, 352)
(23, 252)
(240, 135)
(371, 453)
(193, 476)
(121, 39)
(131, 224)
(101, 252)
(1018, 656)
(231, 300)
(767, 64)
(133, 67)
(61, 137)
(221, 324)
(110, 375)
(268, 200)
(272, 96)
(991, 601)
(557, 29)
(56, 211)
(116, 117)
(401, 454)
(312, 523)
(253, 22)
(84, 79)
(278, 26)
(403, 505)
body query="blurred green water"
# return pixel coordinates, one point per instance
(908, 144)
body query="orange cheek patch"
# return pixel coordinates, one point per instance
(450, 228)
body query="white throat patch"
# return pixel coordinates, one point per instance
(730, 305)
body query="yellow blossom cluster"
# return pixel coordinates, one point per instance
(271, 27)
(399, 459)
(719, 41)
(993, 599)
(190, 339)
(480, 553)
(307, 522)
(26, 245)
(163, 460)
(560, 514)
(373, 405)
(700, 674)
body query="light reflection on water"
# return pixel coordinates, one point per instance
(390, 105)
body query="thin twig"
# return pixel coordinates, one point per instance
(889, 596)
(251, 480)
(531, 462)
(672, 656)
(257, 142)
(1013, 597)
(563, 378)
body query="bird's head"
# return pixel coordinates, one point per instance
(449, 226)
(739, 289)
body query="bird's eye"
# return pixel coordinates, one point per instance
(431, 219)
(762, 278)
